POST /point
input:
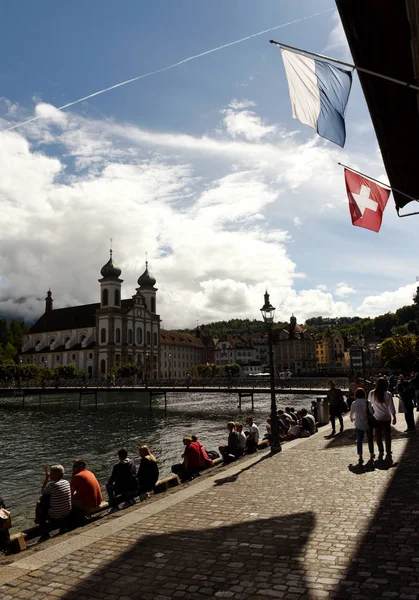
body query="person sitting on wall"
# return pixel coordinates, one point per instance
(206, 461)
(148, 471)
(268, 434)
(294, 432)
(283, 422)
(307, 421)
(191, 460)
(290, 414)
(122, 484)
(252, 436)
(54, 505)
(5, 525)
(85, 488)
(242, 438)
(231, 450)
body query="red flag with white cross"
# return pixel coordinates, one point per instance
(367, 201)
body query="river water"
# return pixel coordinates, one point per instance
(34, 437)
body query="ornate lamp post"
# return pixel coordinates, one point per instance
(146, 369)
(361, 345)
(170, 366)
(268, 313)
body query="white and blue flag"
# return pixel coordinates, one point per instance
(319, 94)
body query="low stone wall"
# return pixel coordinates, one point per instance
(18, 540)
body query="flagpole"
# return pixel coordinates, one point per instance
(392, 189)
(345, 64)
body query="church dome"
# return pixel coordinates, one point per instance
(146, 280)
(110, 270)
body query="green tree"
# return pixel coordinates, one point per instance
(46, 374)
(412, 327)
(67, 372)
(406, 314)
(400, 330)
(401, 353)
(28, 372)
(384, 324)
(128, 370)
(232, 369)
(8, 354)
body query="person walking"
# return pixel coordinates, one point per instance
(384, 414)
(337, 405)
(360, 408)
(407, 396)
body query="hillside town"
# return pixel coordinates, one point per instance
(99, 339)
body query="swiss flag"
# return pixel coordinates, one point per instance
(367, 201)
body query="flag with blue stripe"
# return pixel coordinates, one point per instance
(319, 94)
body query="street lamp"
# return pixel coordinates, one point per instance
(146, 368)
(361, 345)
(268, 313)
(170, 365)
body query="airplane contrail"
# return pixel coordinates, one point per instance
(177, 64)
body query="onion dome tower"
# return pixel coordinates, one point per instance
(110, 284)
(146, 283)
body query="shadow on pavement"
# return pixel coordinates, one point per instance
(348, 438)
(256, 555)
(386, 564)
(233, 478)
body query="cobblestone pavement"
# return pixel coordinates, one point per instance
(298, 525)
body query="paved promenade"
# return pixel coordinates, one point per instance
(299, 525)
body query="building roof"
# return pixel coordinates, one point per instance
(72, 317)
(383, 37)
(180, 339)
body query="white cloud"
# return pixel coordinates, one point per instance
(237, 104)
(387, 301)
(47, 112)
(337, 42)
(211, 211)
(343, 289)
(247, 124)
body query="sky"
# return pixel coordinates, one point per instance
(199, 168)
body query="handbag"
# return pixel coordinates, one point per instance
(372, 421)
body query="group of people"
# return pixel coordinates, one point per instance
(64, 504)
(374, 412)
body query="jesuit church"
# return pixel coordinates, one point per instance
(96, 337)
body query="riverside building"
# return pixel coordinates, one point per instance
(96, 337)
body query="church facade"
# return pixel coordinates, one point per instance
(96, 337)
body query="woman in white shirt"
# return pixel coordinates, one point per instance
(384, 413)
(359, 413)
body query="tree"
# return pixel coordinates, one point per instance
(406, 314)
(401, 353)
(128, 370)
(46, 374)
(400, 330)
(28, 372)
(232, 369)
(67, 371)
(412, 327)
(384, 324)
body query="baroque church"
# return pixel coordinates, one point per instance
(96, 337)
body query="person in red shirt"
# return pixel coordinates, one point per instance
(85, 488)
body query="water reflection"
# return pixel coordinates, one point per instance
(58, 431)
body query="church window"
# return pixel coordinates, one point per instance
(117, 298)
(118, 359)
(57, 358)
(118, 335)
(105, 297)
(129, 336)
(103, 335)
(148, 338)
(153, 305)
(103, 366)
(139, 335)
(66, 339)
(73, 357)
(52, 340)
(90, 355)
(155, 339)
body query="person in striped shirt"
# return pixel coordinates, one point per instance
(55, 502)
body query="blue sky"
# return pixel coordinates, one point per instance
(201, 166)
